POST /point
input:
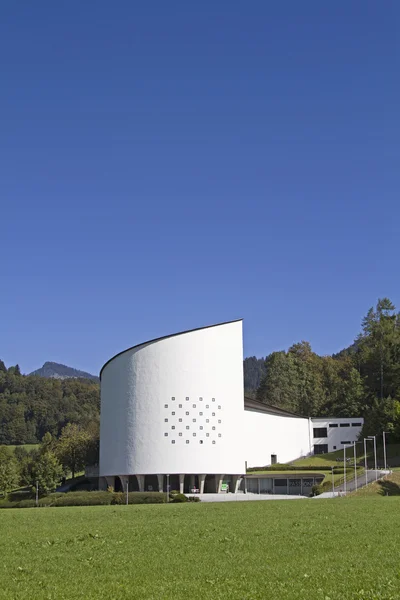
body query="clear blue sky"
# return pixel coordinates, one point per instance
(168, 165)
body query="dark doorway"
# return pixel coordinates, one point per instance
(151, 483)
(210, 484)
(117, 484)
(133, 483)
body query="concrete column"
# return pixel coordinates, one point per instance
(140, 480)
(181, 482)
(202, 479)
(219, 479)
(236, 479)
(124, 480)
(110, 481)
(160, 482)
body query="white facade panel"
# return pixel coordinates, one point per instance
(339, 432)
(175, 405)
(265, 435)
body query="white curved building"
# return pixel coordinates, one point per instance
(174, 406)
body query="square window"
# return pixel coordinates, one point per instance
(201, 414)
(187, 427)
(213, 399)
(194, 420)
(219, 420)
(201, 399)
(187, 398)
(165, 405)
(201, 426)
(166, 434)
(180, 420)
(207, 406)
(187, 441)
(172, 441)
(194, 435)
(173, 413)
(180, 435)
(207, 435)
(173, 398)
(219, 407)
(173, 427)
(213, 428)
(201, 441)
(219, 435)
(213, 441)
(213, 414)
(187, 412)
(207, 420)
(194, 406)
(180, 406)
(165, 420)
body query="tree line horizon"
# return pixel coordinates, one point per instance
(360, 381)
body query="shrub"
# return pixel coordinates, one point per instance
(316, 490)
(178, 497)
(194, 499)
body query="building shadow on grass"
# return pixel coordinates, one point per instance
(389, 488)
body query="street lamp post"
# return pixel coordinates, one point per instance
(344, 467)
(373, 437)
(127, 490)
(355, 465)
(384, 448)
(365, 462)
(333, 485)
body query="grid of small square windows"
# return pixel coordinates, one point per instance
(194, 420)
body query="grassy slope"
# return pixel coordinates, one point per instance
(389, 485)
(316, 549)
(327, 460)
(27, 447)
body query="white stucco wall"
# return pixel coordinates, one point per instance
(346, 431)
(203, 371)
(265, 434)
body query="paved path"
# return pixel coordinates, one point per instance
(245, 497)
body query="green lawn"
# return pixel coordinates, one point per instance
(27, 447)
(341, 549)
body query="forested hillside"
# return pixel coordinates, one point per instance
(363, 380)
(31, 406)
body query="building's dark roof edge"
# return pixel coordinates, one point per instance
(164, 337)
(250, 403)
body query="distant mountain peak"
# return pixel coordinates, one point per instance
(53, 370)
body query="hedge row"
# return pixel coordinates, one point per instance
(286, 467)
(89, 499)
